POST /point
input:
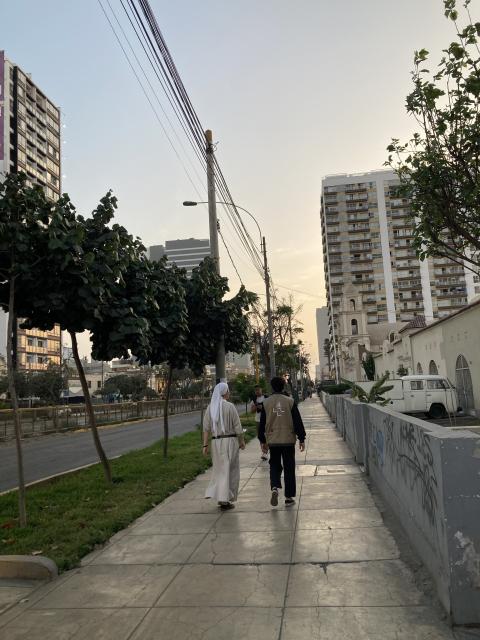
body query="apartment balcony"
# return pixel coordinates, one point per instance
(359, 230)
(352, 188)
(353, 217)
(365, 268)
(451, 303)
(408, 284)
(357, 197)
(356, 249)
(363, 280)
(358, 207)
(449, 271)
(450, 294)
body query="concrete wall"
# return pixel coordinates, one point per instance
(430, 478)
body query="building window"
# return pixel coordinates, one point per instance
(352, 305)
(89, 383)
(463, 383)
(99, 384)
(432, 368)
(419, 369)
(354, 327)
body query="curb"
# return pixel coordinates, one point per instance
(28, 568)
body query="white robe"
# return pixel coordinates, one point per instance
(225, 459)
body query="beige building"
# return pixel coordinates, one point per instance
(447, 347)
(368, 244)
(29, 143)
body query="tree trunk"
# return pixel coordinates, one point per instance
(165, 410)
(11, 370)
(89, 409)
(202, 403)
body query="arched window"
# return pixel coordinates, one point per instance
(419, 369)
(463, 382)
(354, 327)
(352, 304)
(432, 368)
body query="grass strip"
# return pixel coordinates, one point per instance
(69, 517)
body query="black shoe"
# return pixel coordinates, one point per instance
(274, 498)
(289, 502)
(226, 506)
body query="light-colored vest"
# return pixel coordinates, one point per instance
(279, 425)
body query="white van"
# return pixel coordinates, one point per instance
(432, 395)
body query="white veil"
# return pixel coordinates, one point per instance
(216, 407)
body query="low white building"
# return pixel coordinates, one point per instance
(448, 347)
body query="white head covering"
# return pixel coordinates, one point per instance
(216, 407)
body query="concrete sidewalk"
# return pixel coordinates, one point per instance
(326, 569)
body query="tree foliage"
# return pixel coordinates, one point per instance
(376, 395)
(129, 386)
(439, 168)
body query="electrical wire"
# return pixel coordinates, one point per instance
(145, 27)
(229, 255)
(148, 97)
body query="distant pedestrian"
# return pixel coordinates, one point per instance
(223, 423)
(256, 407)
(280, 426)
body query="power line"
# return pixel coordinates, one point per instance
(229, 255)
(146, 94)
(155, 49)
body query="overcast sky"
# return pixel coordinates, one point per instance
(292, 91)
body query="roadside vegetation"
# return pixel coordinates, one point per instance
(71, 516)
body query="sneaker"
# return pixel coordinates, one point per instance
(274, 498)
(289, 502)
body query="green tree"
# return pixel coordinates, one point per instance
(402, 371)
(368, 364)
(24, 215)
(243, 387)
(48, 385)
(129, 386)
(79, 284)
(439, 167)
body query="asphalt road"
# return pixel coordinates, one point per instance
(49, 455)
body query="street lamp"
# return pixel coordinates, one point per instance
(266, 277)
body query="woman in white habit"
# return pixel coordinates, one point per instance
(223, 423)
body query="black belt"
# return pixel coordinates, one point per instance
(227, 435)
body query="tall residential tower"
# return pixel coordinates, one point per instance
(29, 143)
(367, 237)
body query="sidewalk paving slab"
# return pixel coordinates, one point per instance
(325, 569)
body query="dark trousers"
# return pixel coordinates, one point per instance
(282, 457)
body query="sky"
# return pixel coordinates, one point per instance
(293, 91)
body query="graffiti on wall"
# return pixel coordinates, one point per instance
(406, 448)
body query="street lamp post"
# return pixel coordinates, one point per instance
(266, 277)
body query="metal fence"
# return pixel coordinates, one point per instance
(63, 418)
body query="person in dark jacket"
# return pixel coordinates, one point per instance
(280, 427)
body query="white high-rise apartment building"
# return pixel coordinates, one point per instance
(368, 243)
